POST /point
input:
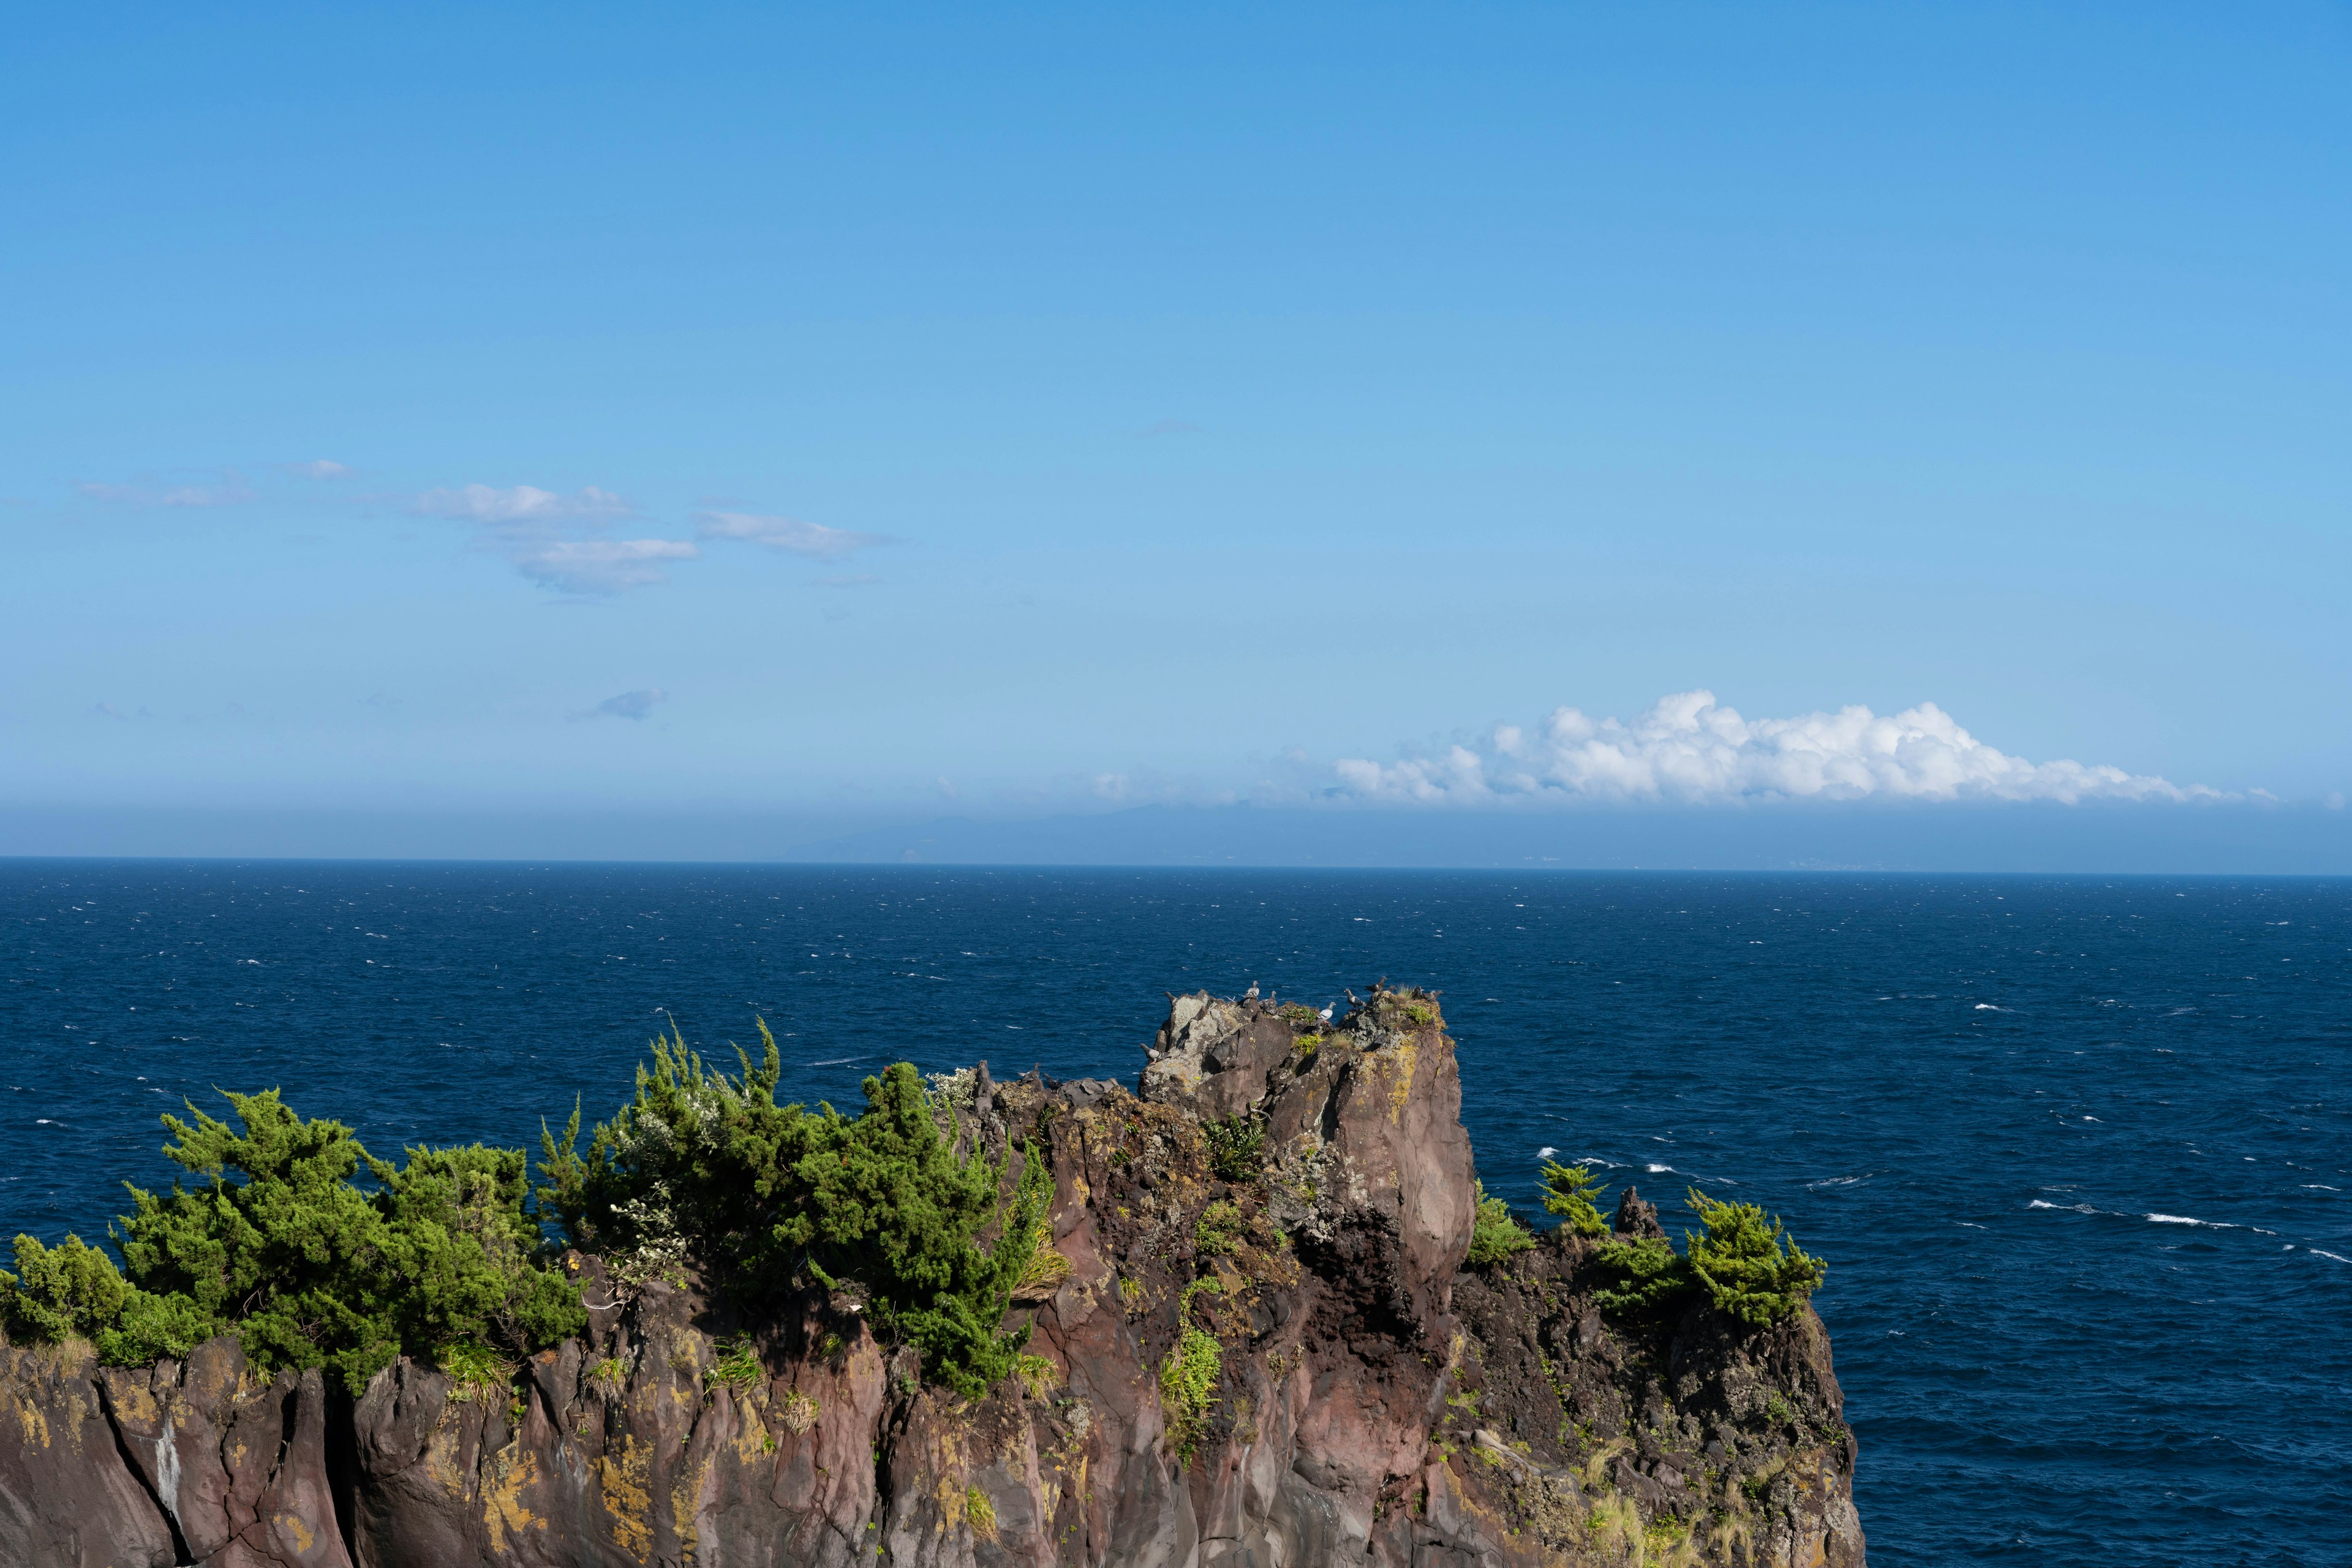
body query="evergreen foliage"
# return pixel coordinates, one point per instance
(1750, 1266)
(704, 1166)
(71, 1292)
(1568, 1193)
(1653, 1281)
(1745, 1263)
(278, 1245)
(1495, 1233)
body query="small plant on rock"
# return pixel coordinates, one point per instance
(477, 1371)
(1750, 1265)
(1495, 1234)
(1568, 1193)
(1188, 1376)
(798, 1412)
(1220, 1228)
(1237, 1148)
(738, 1365)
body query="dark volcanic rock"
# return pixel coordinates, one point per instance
(1376, 1401)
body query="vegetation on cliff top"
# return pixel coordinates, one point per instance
(704, 1167)
(317, 1254)
(277, 1243)
(1747, 1263)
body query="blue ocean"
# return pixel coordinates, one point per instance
(2078, 1151)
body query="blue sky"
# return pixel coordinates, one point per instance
(851, 416)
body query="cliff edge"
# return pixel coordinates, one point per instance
(1255, 1342)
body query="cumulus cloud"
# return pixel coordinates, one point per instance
(1689, 749)
(319, 468)
(229, 489)
(790, 534)
(635, 705)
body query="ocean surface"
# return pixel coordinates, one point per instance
(2078, 1151)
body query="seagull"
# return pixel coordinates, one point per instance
(1250, 994)
(1324, 1017)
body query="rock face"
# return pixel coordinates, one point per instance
(1299, 1191)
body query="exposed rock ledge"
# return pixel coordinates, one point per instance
(1379, 1403)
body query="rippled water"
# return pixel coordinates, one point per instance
(2078, 1149)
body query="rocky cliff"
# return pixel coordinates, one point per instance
(1256, 1343)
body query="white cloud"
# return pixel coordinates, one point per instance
(521, 503)
(229, 491)
(812, 540)
(594, 565)
(633, 705)
(319, 468)
(557, 541)
(1689, 749)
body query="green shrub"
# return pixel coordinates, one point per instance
(72, 1292)
(1219, 1229)
(980, 1514)
(1653, 1281)
(1568, 1193)
(1237, 1148)
(1495, 1234)
(1189, 1375)
(703, 1165)
(1750, 1265)
(280, 1246)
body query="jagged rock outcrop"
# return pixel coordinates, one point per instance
(1299, 1191)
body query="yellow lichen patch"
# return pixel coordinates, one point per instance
(685, 1496)
(295, 1530)
(30, 1421)
(625, 1479)
(502, 1505)
(1397, 1064)
(950, 1501)
(137, 1406)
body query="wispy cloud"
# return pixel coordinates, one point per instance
(1689, 749)
(318, 469)
(596, 565)
(521, 503)
(790, 534)
(556, 540)
(229, 489)
(631, 705)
